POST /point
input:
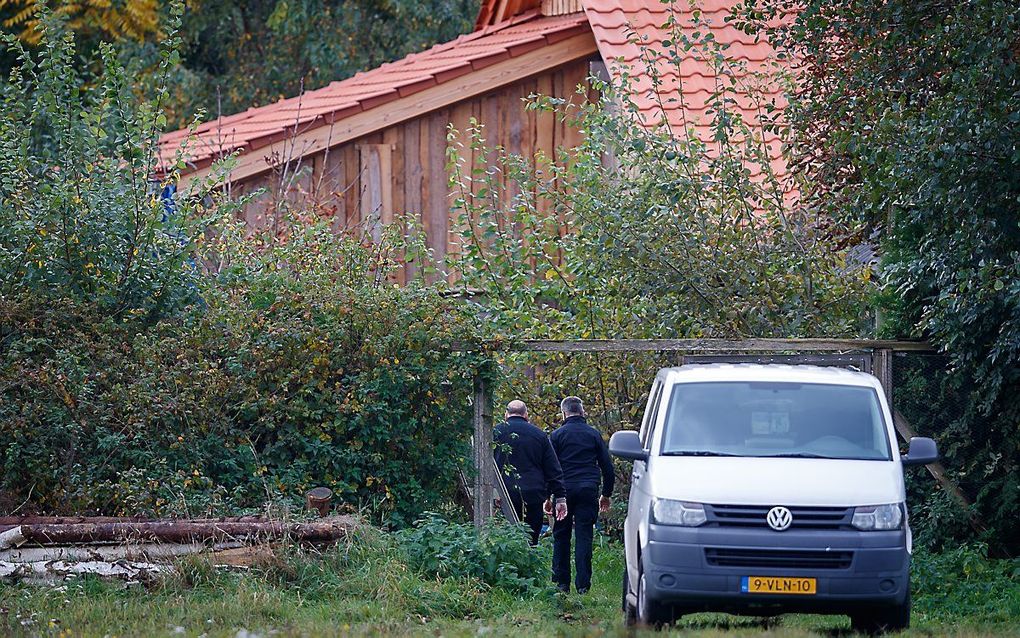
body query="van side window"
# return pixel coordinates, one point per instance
(648, 426)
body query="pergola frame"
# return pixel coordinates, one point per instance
(878, 353)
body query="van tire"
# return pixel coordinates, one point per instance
(881, 620)
(629, 611)
(649, 612)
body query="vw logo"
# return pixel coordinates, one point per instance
(779, 518)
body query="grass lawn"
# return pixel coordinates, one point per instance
(367, 589)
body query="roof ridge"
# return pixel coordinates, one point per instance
(530, 14)
(260, 125)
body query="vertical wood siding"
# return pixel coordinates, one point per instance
(402, 171)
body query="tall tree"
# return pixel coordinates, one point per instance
(134, 20)
(242, 53)
(907, 118)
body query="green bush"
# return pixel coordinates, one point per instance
(157, 357)
(965, 582)
(317, 373)
(499, 556)
(909, 131)
(82, 218)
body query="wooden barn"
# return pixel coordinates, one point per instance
(373, 147)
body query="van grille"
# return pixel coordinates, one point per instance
(803, 517)
(778, 559)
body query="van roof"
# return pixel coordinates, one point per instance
(776, 372)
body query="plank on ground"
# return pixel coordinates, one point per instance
(326, 529)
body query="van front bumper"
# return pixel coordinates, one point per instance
(852, 569)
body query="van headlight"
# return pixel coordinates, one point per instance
(669, 512)
(878, 517)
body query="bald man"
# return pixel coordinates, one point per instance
(529, 467)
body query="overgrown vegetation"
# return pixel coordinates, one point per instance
(498, 557)
(277, 385)
(236, 54)
(160, 358)
(906, 122)
(80, 216)
(372, 586)
(680, 231)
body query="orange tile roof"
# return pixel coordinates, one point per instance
(632, 38)
(630, 35)
(264, 125)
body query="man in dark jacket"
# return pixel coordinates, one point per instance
(584, 458)
(529, 467)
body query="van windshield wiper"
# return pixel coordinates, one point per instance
(696, 453)
(793, 455)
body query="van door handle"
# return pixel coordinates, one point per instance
(635, 475)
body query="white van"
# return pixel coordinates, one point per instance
(764, 489)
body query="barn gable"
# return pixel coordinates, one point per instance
(373, 146)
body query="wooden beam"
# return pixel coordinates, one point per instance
(400, 110)
(503, 494)
(376, 187)
(147, 552)
(938, 471)
(502, 11)
(482, 443)
(9, 522)
(50, 570)
(325, 529)
(881, 366)
(714, 345)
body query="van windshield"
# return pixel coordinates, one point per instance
(809, 420)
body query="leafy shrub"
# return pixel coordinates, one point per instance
(964, 582)
(908, 129)
(939, 401)
(157, 357)
(499, 556)
(304, 368)
(646, 233)
(82, 218)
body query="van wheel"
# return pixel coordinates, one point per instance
(649, 612)
(881, 620)
(629, 611)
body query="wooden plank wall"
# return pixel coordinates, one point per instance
(402, 170)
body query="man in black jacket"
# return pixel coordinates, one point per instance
(584, 458)
(529, 467)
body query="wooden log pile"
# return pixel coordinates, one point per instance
(46, 549)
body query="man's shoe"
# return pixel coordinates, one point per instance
(582, 590)
(563, 589)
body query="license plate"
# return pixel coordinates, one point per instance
(778, 585)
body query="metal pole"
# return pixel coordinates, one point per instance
(483, 492)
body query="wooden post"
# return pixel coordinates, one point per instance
(482, 452)
(881, 366)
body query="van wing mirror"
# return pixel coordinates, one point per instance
(921, 451)
(626, 444)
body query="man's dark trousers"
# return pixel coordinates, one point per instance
(528, 506)
(582, 511)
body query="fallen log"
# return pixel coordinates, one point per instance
(12, 521)
(148, 552)
(323, 530)
(9, 522)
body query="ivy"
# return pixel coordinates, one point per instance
(906, 124)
